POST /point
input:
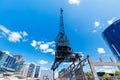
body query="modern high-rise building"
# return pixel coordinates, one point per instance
(31, 70)
(24, 70)
(112, 37)
(19, 62)
(7, 61)
(37, 70)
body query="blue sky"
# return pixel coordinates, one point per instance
(29, 27)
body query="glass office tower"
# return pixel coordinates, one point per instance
(19, 62)
(112, 37)
(7, 62)
(31, 70)
(37, 70)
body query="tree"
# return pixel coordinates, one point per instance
(117, 73)
(89, 74)
(106, 75)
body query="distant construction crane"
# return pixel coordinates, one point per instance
(64, 52)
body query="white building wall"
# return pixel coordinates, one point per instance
(46, 75)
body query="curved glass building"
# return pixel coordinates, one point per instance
(112, 37)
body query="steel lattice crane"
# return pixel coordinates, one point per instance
(64, 52)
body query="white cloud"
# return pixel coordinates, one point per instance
(24, 33)
(3, 34)
(76, 2)
(67, 63)
(34, 43)
(45, 47)
(101, 50)
(11, 35)
(43, 62)
(51, 64)
(4, 29)
(49, 50)
(25, 40)
(111, 21)
(7, 52)
(94, 31)
(40, 42)
(96, 24)
(51, 43)
(14, 37)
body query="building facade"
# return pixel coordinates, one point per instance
(31, 70)
(24, 70)
(112, 37)
(46, 75)
(19, 62)
(37, 70)
(7, 62)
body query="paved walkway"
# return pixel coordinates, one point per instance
(11, 78)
